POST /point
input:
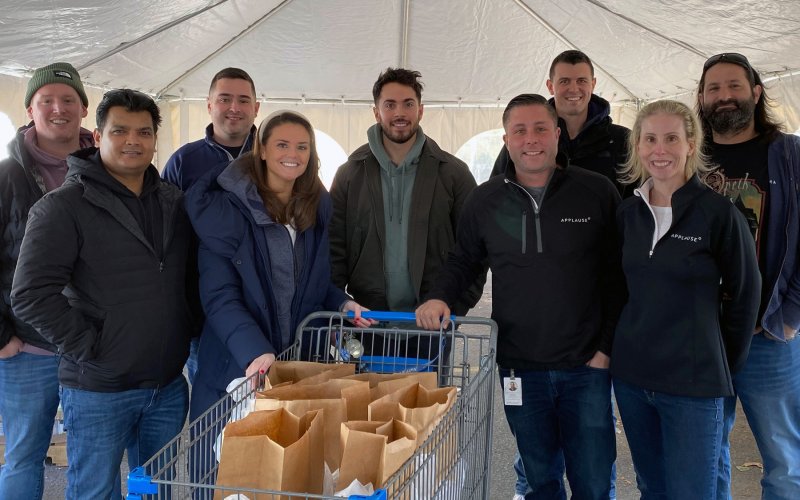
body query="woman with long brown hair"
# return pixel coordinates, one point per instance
(264, 260)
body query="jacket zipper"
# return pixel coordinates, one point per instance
(536, 221)
(524, 232)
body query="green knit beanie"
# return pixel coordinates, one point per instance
(59, 72)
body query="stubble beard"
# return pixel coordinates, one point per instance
(398, 138)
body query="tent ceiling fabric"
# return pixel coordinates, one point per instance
(469, 51)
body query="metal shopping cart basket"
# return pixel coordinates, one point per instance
(452, 463)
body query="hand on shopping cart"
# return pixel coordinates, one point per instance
(357, 309)
(260, 365)
(433, 315)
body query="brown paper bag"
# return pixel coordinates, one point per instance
(341, 399)
(373, 451)
(381, 384)
(416, 405)
(273, 450)
(294, 371)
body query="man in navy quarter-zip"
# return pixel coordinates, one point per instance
(233, 106)
(550, 239)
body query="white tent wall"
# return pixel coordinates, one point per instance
(347, 124)
(323, 56)
(450, 126)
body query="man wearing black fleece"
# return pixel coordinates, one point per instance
(103, 273)
(549, 236)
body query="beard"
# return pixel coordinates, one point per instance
(730, 121)
(398, 137)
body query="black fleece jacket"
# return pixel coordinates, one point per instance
(556, 276)
(694, 296)
(113, 298)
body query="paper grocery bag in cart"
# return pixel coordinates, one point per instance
(373, 451)
(341, 399)
(381, 384)
(416, 405)
(294, 371)
(273, 450)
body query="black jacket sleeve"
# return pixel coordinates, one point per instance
(47, 258)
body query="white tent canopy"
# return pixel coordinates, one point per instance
(322, 56)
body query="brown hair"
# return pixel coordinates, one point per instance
(301, 211)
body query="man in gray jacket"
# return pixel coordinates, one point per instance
(396, 203)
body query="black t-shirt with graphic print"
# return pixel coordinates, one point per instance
(743, 177)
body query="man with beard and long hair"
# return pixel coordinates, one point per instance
(759, 169)
(396, 202)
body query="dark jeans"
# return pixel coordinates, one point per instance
(565, 422)
(674, 442)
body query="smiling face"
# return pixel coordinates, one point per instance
(286, 154)
(56, 110)
(127, 143)
(728, 100)
(663, 148)
(532, 141)
(398, 112)
(572, 86)
(233, 108)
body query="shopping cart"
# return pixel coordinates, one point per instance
(452, 463)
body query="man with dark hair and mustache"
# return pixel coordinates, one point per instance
(759, 167)
(395, 206)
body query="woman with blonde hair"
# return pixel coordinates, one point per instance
(264, 256)
(694, 290)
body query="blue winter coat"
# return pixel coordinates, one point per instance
(236, 288)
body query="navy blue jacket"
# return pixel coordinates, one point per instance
(782, 274)
(192, 160)
(236, 288)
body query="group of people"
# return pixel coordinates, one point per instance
(683, 295)
(661, 260)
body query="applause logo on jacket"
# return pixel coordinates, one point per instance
(681, 237)
(575, 220)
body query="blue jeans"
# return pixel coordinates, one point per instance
(28, 405)
(674, 442)
(564, 422)
(102, 425)
(769, 388)
(521, 486)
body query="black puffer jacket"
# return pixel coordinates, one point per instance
(600, 147)
(18, 192)
(111, 297)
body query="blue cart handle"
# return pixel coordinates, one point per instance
(391, 316)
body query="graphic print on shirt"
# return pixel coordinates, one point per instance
(745, 194)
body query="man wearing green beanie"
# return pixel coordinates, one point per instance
(56, 103)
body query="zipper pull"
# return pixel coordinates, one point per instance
(161, 266)
(650, 254)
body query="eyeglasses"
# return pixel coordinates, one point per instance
(729, 57)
